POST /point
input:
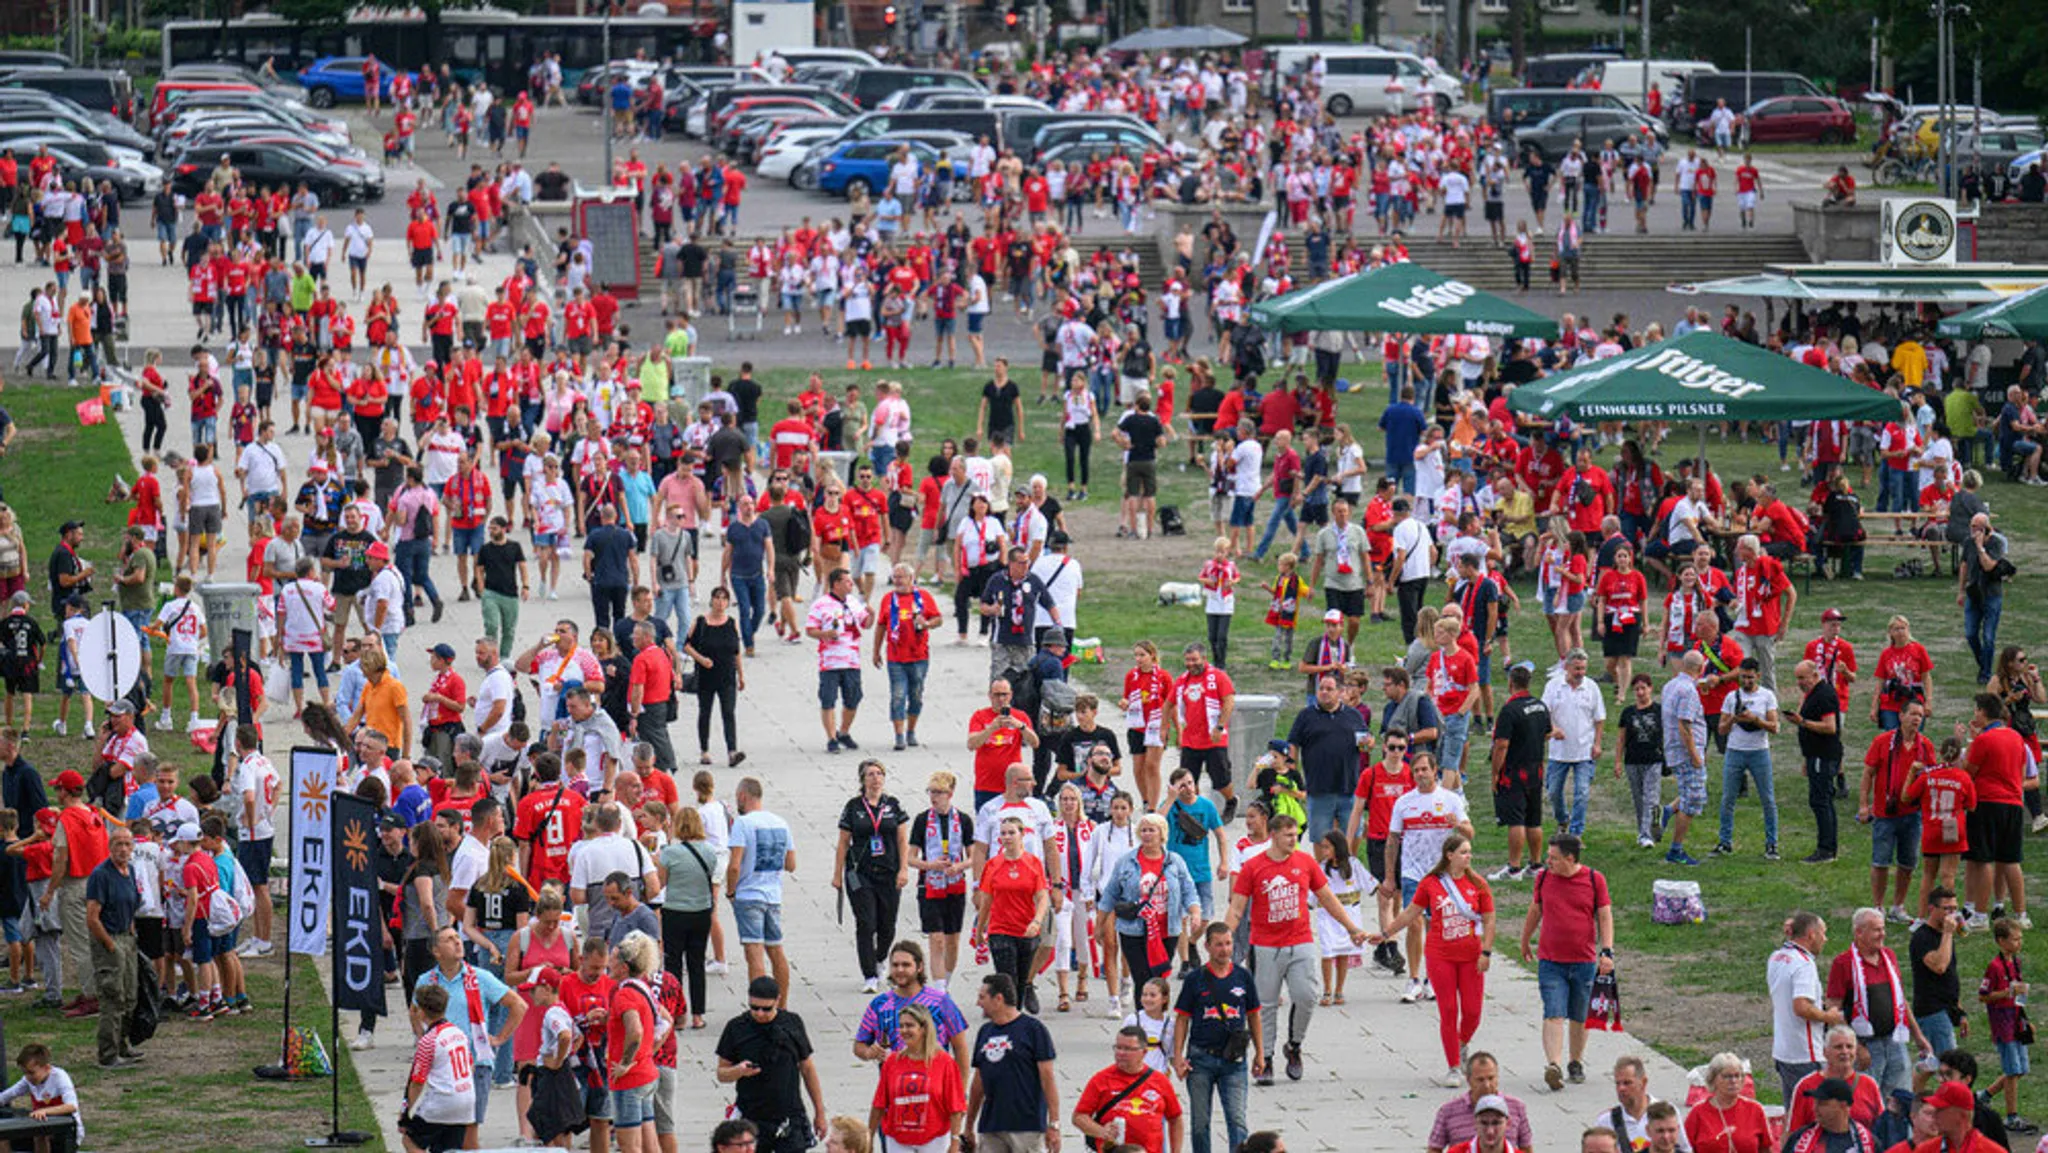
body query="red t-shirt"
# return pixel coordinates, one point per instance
(1760, 588)
(1946, 796)
(1998, 758)
(1571, 908)
(1198, 708)
(580, 998)
(1869, 1102)
(1002, 749)
(1279, 895)
(630, 1001)
(1449, 680)
(1012, 888)
(447, 683)
(421, 234)
(1891, 759)
(919, 1099)
(550, 844)
(655, 676)
(1452, 935)
(1908, 664)
(1622, 594)
(905, 642)
(1381, 787)
(1144, 1113)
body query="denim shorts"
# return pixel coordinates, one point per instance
(974, 322)
(760, 923)
(1242, 509)
(17, 929)
(1566, 988)
(181, 665)
(2012, 1059)
(467, 540)
(839, 685)
(1895, 841)
(632, 1107)
(943, 326)
(1940, 1031)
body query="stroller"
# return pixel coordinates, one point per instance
(746, 305)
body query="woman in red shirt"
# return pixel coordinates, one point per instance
(633, 1030)
(1459, 946)
(831, 531)
(1903, 672)
(918, 1103)
(1011, 904)
(1621, 599)
(1727, 1122)
(1145, 690)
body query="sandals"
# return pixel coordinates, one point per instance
(1081, 995)
(1324, 1001)
(1065, 1004)
(703, 758)
(1337, 999)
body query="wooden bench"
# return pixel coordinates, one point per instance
(1895, 531)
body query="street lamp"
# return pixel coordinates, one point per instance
(604, 103)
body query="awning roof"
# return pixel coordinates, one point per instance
(1960, 285)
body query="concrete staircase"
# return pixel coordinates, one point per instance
(1613, 261)
(1107, 234)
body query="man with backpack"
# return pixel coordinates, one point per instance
(413, 510)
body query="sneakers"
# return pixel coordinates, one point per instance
(2023, 921)
(1553, 1077)
(130, 1063)
(910, 738)
(1452, 1078)
(1413, 993)
(191, 722)
(1722, 849)
(846, 741)
(1113, 1007)
(2041, 822)
(1263, 1075)
(1644, 842)
(1817, 858)
(832, 746)
(163, 721)
(717, 968)
(871, 986)
(1770, 852)
(364, 1039)
(1428, 991)
(2014, 1123)
(1899, 916)
(901, 744)
(1678, 856)
(202, 1012)
(1292, 1051)
(1387, 956)
(57, 727)
(1229, 809)
(1977, 921)
(1506, 873)
(1575, 1072)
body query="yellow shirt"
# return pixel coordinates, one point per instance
(654, 380)
(1910, 360)
(1518, 513)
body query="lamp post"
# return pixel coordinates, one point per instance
(605, 179)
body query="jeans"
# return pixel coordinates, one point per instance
(1590, 218)
(1283, 510)
(501, 619)
(1646, 786)
(906, 689)
(674, 602)
(1980, 626)
(414, 559)
(1298, 967)
(1891, 1064)
(1757, 764)
(1580, 773)
(750, 593)
(1820, 797)
(1207, 1072)
(1688, 205)
(1013, 956)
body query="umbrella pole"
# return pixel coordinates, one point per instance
(1701, 470)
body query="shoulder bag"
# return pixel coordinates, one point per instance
(1110, 1105)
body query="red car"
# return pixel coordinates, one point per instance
(1793, 120)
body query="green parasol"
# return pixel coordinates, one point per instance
(1701, 376)
(2023, 316)
(1399, 298)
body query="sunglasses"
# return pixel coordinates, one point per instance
(760, 1008)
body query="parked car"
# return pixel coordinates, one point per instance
(1791, 120)
(1510, 108)
(135, 179)
(29, 104)
(333, 80)
(1701, 90)
(868, 87)
(106, 90)
(860, 165)
(1093, 133)
(788, 147)
(1553, 135)
(333, 179)
(755, 131)
(1995, 152)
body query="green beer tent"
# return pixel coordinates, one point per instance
(2023, 316)
(1701, 376)
(1399, 298)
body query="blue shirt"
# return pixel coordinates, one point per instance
(489, 989)
(414, 804)
(747, 544)
(348, 692)
(639, 490)
(622, 96)
(1195, 854)
(765, 837)
(145, 796)
(1403, 423)
(612, 551)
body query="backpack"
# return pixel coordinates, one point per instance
(518, 697)
(1170, 523)
(1055, 705)
(423, 522)
(796, 536)
(225, 910)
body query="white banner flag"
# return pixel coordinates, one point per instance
(314, 773)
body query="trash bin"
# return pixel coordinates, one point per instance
(1254, 723)
(229, 606)
(689, 381)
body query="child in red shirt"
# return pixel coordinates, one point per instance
(1946, 793)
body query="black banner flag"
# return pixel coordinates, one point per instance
(358, 940)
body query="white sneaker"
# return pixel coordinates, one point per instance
(1413, 993)
(1451, 1079)
(2041, 822)
(163, 721)
(264, 948)
(1978, 921)
(1644, 842)
(717, 968)
(57, 727)
(247, 948)
(1899, 915)
(191, 722)
(871, 986)
(1113, 1007)
(1428, 994)
(2024, 921)
(1505, 873)
(364, 1039)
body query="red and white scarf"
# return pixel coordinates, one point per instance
(1859, 1004)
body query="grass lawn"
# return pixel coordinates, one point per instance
(1692, 991)
(58, 470)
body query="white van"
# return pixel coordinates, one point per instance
(1357, 77)
(1624, 78)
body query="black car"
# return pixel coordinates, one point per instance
(868, 87)
(283, 163)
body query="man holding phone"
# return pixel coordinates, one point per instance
(1749, 718)
(995, 735)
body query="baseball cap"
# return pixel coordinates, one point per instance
(1277, 745)
(378, 551)
(1491, 1103)
(1334, 616)
(1833, 615)
(123, 706)
(544, 977)
(69, 525)
(444, 650)
(1832, 1089)
(392, 822)
(69, 781)
(1952, 1095)
(188, 833)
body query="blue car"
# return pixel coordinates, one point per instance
(333, 80)
(865, 164)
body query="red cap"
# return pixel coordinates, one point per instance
(378, 551)
(544, 977)
(1833, 615)
(46, 818)
(1952, 1095)
(69, 781)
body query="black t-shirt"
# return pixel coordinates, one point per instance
(1818, 704)
(461, 217)
(394, 451)
(777, 1047)
(63, 563)
(1007, 1057)
(1933, 992)
(499, 911)
(871, 848)
(351, 548)
(1202, 406)
(1329, 742)
(624, 627)
(1642, 734)
(1144, 431)
(1524, 723)
(500, 563)
(21, 644)
(1002, 407)
(726, 447)
(1076, 744)
(746, 393)
(693, 257)
(551, 185)
(612, 551)
(1215, 1006)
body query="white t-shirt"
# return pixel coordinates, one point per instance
(1247, 461)
(1061, 576)
(765, 839)
(598, 858)
(442, 1061)
(356, 240)
(1578, 713)
(554, 1024)
(551, 505)
(387, 589)
(1038, 822)
(257, 775)
(1790, 975)
(1762, 702)
(185, 622)
(1424, 820)
(468, 865)
(440, 456)
(262, 466)
(1457, 189)
(1411, 543)
(497, 686)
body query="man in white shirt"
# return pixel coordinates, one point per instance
(1578, 712)
(261, 469)
(491, 708)
(1414, 560)
(473, 853)
(597, 858)
(1799, 1015)
(319, 248)
(256, 788)
(1688, 182)
(384, 602)
(1749, 716)
(1061, 576)
(1457, 191)
(356, 241)
(1247, 463)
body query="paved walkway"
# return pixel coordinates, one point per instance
(1369, 1062)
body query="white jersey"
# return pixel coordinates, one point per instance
(1038, 823)
(185, 623)
(443, 1064)
(257, 775)
(1424, 821)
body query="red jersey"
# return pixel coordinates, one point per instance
(1453, 936)
(1945, 794)
(904, 640)
(1380, 786)
(1198, 708)
(1279, 895)
(550, 819)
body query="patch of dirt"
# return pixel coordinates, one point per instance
(1157, 558)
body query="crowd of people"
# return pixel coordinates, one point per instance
(552, 884)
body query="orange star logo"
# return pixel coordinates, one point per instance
(355, 845)
(313, 796)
